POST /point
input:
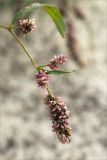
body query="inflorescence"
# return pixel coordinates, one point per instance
(41, 78)
(56, 61)
(59, 115)
(26, 26)
(58, 111)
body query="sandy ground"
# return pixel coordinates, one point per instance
(25, 128)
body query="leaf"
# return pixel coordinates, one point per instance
(25, 11)
(56, 17)
(58, 72)
(51, 10)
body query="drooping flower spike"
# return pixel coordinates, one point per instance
(59, 115)
(56, 61)
(26, 25)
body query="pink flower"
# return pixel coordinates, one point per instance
(26, 25)
(56, 61)
(41, 78)
(59, 116)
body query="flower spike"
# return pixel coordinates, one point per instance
(59, 116)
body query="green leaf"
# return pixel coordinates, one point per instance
(58, 72)
(56, 17)
(51, 10)
(25, 11)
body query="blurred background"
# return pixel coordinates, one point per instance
(25, 128)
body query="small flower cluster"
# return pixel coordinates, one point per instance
(26, 25)
(41, 78)
(59, 115)
(56, 61)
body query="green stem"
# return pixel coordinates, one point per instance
(46, 65)
(1, 26)
(48, 90)
(27, 53)
(17, 39)
(7, 27)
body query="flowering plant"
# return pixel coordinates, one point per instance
(57, 108)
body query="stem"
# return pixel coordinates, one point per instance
(46, 65)
(17, 39)
(48, 90)
(7, 27)
(1, 26)
(27, 53)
